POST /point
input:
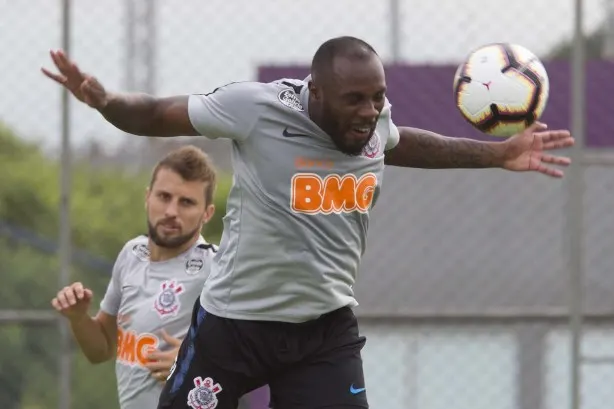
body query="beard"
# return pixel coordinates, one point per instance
(349, 149)
(337, 133)
(169, 242)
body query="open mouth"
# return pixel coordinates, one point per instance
(361, 134)
(361, 130)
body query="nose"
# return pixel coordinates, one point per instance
(172, 209)
(368, 111)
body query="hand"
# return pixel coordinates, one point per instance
(526, 151)
(84, 87)
(160, 362)
(73, 301)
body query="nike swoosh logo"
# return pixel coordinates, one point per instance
(292, 134)
(355, 391)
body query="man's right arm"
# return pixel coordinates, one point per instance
(227, 112)
(134, 113)
(145, 115)
(96, 336)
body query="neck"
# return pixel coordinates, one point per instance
(158, 253)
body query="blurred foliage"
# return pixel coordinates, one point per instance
(107, 209)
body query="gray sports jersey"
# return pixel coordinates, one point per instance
(298, 210)
(147, 297)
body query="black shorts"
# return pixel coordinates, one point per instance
(312, 365)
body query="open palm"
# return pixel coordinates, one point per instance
(528, 150)
(84, 87)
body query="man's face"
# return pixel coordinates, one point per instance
(351, 99)
(176, 209)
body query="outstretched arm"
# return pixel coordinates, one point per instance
(525, 151)
(418, 148)
(138, 114)
(142, 114)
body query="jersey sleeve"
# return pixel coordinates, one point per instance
(391, 129)
(112, 298)
(229, 111)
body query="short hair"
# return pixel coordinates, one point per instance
(345, 46)
(192, 164)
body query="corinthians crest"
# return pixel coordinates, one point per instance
(372, 148)
(203, 396)
(167, 301)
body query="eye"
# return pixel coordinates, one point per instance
(353, 99)
(164, 196)
(187, 202)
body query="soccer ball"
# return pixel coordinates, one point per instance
(501, 89)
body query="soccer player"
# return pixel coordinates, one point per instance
(155, 280)
(309, 157)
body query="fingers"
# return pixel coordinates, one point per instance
(160, 375)
(538, 126)
(156, 366)
(78, 290)
(60, 79)
(70, 296)
(56, 304)
(160, 364)
(88, 294)
(159, 370)
(166, 357)
(556, 139)
(556, 160)
(70, 75)
(60, 60)
(172, 341)
(67, 297)
(553, 172)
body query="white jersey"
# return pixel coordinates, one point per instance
(298, 210)
(147, 297)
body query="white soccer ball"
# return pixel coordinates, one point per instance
(501, 89)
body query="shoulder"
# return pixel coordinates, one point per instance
(200, 258)
(132, 253)
(205, 249)
(240, 91)
(245, 96)
(135, 249)
(288, 92)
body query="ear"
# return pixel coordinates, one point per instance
(313, 90)
(209, 212)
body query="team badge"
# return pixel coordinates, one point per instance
(372, 148)
(193, 266)
(203, 396)
(167, 301)
(289, 98)
(141, 251)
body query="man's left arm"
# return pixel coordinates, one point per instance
(418, 148)
(526, 151)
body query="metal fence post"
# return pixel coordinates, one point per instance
(575, 230)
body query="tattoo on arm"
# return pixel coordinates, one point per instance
(418, 148)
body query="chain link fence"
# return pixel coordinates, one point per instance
(466, 287)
